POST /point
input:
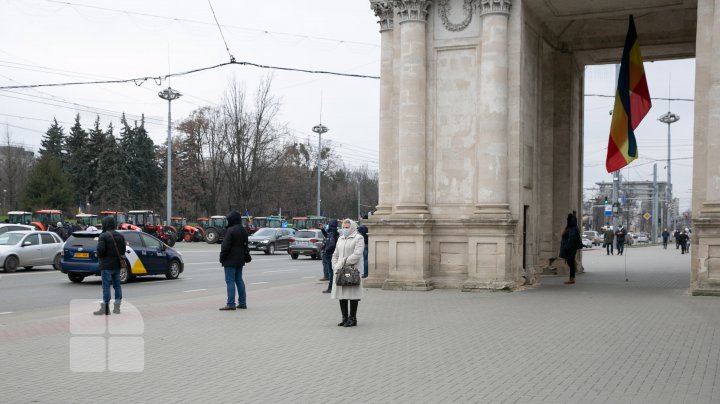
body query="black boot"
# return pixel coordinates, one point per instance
(344, 311)
(352, 320)
(116, 308)
(104, 309)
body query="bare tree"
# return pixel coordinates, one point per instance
(15, 163)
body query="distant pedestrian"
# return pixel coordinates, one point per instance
(665, 237)
(684, 241)
(348, 252)
(609, 240)
(363, 230)
(234, 254)
(620, 237)
(676, 236)
(569, 244)
(110, 252)
(327, 253)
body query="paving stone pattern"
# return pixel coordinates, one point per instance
(602, 340)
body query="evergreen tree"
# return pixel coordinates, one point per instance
(52, 142)
(48, 187)
(110, 191)
(77, 161)
(144, 177)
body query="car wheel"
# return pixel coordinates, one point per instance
(212, 236)
(56, 263)
(11, 264)
(124, 275)
(271, 249)
(75, 278)
(294, 256)
(173, 271)
(314, 256)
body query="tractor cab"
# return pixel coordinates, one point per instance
(46, 217)
(121, 220)
(185, 231)
(308, 222)
(150, 222)
(19, 217)
(215, 230)
(202, 222)
(261, 222)
(250, 224)
(87, 220)
(178, 222)
(275, 222)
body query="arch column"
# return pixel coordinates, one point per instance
(412, 16)
(492, 149)
(384, 10)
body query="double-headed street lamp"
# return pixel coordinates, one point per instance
(169, 94)
(319, 129)
(669, 119)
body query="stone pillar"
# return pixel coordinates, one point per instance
(384, 10)
(412, 15)
(705, 249)
(492, 152)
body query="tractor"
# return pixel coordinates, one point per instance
(47, 217)
(202, 222)
(121, 220)
(149, 222)
(215, 230)
(86, 220)
(186, 232)
(308, 222)
(19, 217)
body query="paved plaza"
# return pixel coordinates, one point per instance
(602, 340)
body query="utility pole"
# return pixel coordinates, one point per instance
(169, 94)
(319, 129)
(654, 217)
(669, 119)
(358, 213)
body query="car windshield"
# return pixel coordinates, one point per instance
(10, 238)
(265, 233)
(305, 234)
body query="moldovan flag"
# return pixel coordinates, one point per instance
(632, 103)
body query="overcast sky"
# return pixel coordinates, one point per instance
(49, 41)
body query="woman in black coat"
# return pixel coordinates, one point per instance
(569, 244)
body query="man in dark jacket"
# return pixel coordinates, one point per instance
(110, 251)
(620, 237)
(364, 231)
(328, 250)
(665, 237)
(569, 244)
(232, 257)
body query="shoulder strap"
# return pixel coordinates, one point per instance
(112, 237)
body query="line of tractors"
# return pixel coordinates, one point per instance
(210, 230)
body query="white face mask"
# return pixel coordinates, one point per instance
(344, 232)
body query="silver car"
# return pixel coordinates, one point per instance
(29, 249)
(307, 242)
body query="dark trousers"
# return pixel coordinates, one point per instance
(684, 247)
(621, 247)
(573, 267)
(665, 243)
(327, 268)
(111, 277)
(609, 248)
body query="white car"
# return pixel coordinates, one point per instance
(6, 227)
(587, 243)
(29, 249)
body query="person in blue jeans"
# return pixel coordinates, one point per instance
(364, 231)
(331, 236)
(110, 250)
(232, 257)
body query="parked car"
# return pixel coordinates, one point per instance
(145, 255)
(6, 227)
(594, 237)
(587, 243)
(642, 238)
(270, 240)
(29, 249)
(306, 242)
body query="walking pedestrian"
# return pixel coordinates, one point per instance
(665, 237)
(110, 252)
(569, 244)
(676, 236)
(234, 254)
(609, 240)
(363, 230)
(348, 252)
(328, 250)
(620, 237)
(684, 241)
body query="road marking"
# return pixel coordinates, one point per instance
(193, 290)
(280, 270)
(258, 283)
(30, 273)
(308, 277)
(6, 312)
(203, 263)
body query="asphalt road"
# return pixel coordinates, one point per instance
(43, 287)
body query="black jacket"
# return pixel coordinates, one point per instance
(106, 253)
(364, 231)
(331, 238)
(571, 240)
(235, 243)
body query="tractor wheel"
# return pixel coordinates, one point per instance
(212, 236)
(171, 240)
(187, 237)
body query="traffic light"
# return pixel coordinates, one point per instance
(606, 200)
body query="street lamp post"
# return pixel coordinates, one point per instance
(169, 94)
(319, 129)
(668, 119)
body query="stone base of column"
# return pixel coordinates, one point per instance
(406, 210)
(705, 252)
(382, 210)
(493, 210)
(410, 285)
